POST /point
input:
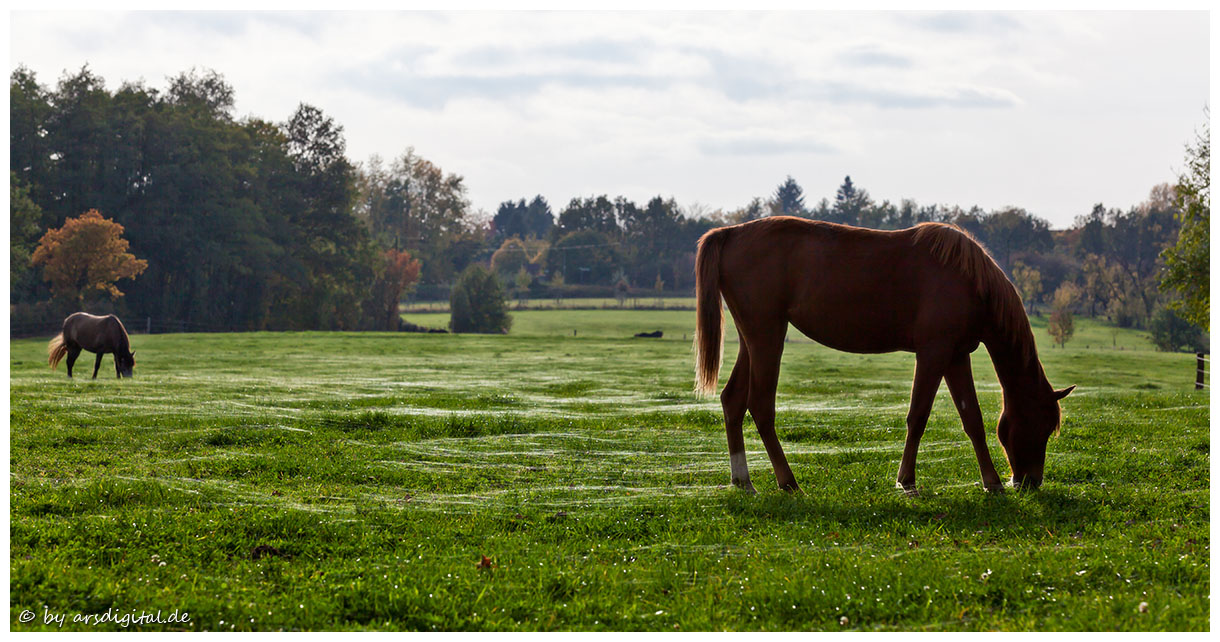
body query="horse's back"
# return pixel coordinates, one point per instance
(852, 289)
(92, 332)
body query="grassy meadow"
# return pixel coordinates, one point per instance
(545, 481)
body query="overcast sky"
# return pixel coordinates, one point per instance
(1052, 112)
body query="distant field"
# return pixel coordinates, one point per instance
(567, 304)
(355, 481)
(1090, 334)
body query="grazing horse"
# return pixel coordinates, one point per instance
(931, 290)
(83, 331)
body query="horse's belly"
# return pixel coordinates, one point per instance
(857, 339)
(862, 327)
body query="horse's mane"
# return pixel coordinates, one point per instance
(126, 340)
(956, 248)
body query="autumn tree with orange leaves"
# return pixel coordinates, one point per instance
(85, 257)
(398, 273)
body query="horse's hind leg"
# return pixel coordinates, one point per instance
(97, 364)
(73, 353)
(733, 399)
(766, 348)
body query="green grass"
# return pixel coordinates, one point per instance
(354, 481)
(645, 301)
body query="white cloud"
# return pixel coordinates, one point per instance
(1050, 111)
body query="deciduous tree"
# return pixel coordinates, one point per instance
(1029, 283)
(1187, 262)
(399, 271)
(1172, 333)
(86, 257)
(24, 215)
(1060, 325)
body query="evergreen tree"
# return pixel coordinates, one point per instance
(537, 219)
(849, 203)
(789, 198)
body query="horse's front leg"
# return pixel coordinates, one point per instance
(928, 372)
(961, 385)
(733, 400)
(97, 364)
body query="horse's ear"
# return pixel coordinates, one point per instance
(1059, 394)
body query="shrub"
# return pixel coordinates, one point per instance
(476, 303)
(1172, 333)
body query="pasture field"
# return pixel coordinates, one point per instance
(356, 481)
(579, 303)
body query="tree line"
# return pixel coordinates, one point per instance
(248, 224)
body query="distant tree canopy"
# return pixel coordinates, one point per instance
(522, 220)
(248, 223)
(24, 215)
(415, 205)
(584, 256)
(244, 224)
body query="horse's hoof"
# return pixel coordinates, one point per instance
(792, 489)
(910, 490)
(745, 487)
(1026, 483)
(997, 489)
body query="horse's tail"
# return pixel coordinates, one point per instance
(709, 318)
(56, 350)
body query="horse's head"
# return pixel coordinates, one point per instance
(1023, 434)
(124, 363)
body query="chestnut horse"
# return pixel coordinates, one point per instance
(84, 331)
(931, 290)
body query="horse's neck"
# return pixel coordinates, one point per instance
(122, 342)
(1017, 367)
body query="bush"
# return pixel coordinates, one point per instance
(1172, 333)
(477, 303)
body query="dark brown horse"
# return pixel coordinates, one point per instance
(83, 331)
(931, 290)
